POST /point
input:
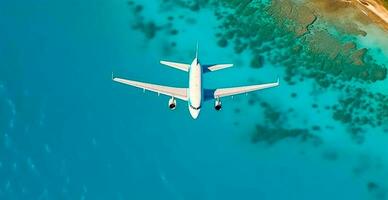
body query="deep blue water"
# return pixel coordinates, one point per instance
(68, 132)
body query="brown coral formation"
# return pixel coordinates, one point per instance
(346, 60)
(340, 14)
(300, 14)
(307, 49)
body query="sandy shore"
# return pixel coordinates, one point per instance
(374, 9)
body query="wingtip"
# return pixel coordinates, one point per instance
(278, 81)
(113, 77)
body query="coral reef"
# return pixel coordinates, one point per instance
(289, 33)
(306, 39)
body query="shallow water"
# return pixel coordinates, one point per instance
(68, 132)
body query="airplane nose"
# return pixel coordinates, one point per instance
(194, 113)
(195, 116)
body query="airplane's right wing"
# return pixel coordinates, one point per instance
(224, 92)
(180, 93)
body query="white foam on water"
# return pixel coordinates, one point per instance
(14, 166)
(8, 185)
(47, 148)
(11, 105)
(42, 119)
(31, 165)
(84, 189)
(94, 142)
(7, 141)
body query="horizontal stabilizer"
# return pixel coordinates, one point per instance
(180, 66)
(212, 68)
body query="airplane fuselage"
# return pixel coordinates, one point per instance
(195, 91)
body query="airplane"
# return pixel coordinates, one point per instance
(195, 94)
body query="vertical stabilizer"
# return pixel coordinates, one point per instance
(196, 52)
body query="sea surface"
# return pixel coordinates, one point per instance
(67, 131)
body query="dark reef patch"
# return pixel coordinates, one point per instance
(330, 155)
(372, 186)
(275, 130)
(274, 135)
(376, 190)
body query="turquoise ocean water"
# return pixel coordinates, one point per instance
(68, 132)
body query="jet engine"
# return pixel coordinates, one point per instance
(217, 105)
(172, 103)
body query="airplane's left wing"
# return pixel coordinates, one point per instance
(180, 93)
(224, 92)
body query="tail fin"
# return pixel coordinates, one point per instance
(196, 51)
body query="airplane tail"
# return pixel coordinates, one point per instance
(206, 68)
(196, 51)
(213, 67)
(180, 66)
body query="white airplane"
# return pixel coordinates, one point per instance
(195, 95)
